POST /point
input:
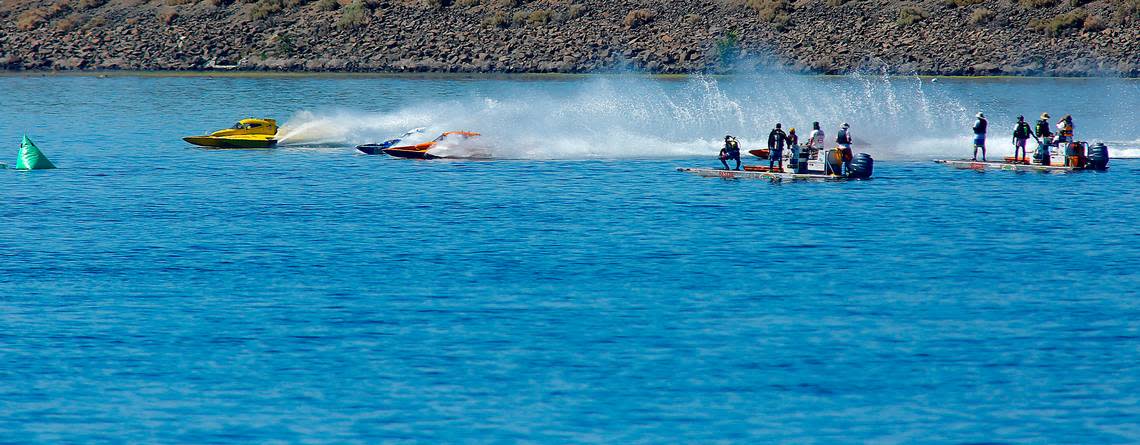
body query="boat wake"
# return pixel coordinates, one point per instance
(629, 116)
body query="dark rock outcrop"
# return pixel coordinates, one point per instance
(954, 37)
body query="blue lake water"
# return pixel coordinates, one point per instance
(578, 291)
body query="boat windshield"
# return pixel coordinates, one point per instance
(238, 126)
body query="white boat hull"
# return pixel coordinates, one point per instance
(966, 164)
(747, 174)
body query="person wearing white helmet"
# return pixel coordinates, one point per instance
(980, 136)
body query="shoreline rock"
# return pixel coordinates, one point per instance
(936, 37)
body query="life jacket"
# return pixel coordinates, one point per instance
(1066, 129)
(1043, 129)
(777, 138)
(980, 126)
(1022, 131)
(843, 137)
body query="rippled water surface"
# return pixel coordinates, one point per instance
(582, 291)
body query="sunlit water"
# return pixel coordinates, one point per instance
(581, 290)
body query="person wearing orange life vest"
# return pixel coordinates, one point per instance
(1065, 130)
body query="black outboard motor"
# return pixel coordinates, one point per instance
(1098, 157)
(862, 166)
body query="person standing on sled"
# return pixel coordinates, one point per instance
(843, 138)
(731, 150)
(1021, 134)
(1044, 139)
(980, 136)
(776, 140)
(794, 146)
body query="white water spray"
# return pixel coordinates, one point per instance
(643, 117)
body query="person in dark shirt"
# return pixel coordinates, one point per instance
(1021, 134)
(776, 140)
(731, 150)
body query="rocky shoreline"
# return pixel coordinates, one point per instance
(937, 37)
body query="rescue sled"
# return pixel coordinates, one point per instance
(1075, 156)
(812, 164)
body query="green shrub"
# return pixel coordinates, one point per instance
(728, 48)
(354, 15)
(961, 3)
(835, 3)
(265, 8)
(909, 15)
(1057, 25)
(166, 17)
(1127, 11)
(1077, 3)
(577, 11)
(1094, 24)
(32, 18)
(283, 44)
(499, 20)
(981, 16)
(327, 5)
(437, 4)
(1036, 4)
(638, 17)
(69, 24)
(539, 17)
(467, 3)
(91, 4)
(770, 9)
(519, 18)
(691, 19)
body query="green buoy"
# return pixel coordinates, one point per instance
(31, 158)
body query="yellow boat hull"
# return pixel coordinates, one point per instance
(232, 142)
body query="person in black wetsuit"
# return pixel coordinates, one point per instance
(776, 140)
(1021, 134)
(731, 150)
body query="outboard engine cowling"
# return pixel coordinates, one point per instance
(862, 166)
(1098, 157)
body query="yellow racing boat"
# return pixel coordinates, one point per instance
(247, 133)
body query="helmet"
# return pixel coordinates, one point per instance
(1020, 118)
(845, 125)
(980, 114)
(777, 125)
(792, 130)
(815, 125)
(1044, 115)
(728, 137)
